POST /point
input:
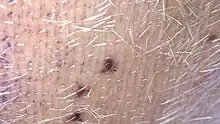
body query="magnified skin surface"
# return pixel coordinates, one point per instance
(109, 61)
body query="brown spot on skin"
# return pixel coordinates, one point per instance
(210, 38)
(10, 14)
(109, 65)
(75, 117)
(29, 78)
(82, 91)
(58, 42)
(5, 38)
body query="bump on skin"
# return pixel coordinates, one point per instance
(77, 116)
(109, 65)
(10, 14)
(82, 91)
(211, 38)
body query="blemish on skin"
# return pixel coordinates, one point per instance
(9, 44)
(29, 78)
(10, 14)
(12, 1)
(109, 65)
(77, 116)
(5, 38)
(48, 14)
(82, 91)
(60, 63)
(58, 41)
(210, 38)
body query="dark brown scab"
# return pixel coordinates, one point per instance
(82, 91)
(77, 116)
(109, 65)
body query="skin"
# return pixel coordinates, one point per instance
(166, 56)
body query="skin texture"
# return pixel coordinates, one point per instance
(109, 61)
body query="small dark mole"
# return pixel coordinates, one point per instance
(75, 117)
(58, 41)
(29, 78)
(48, 14)
(27, 93)
(9, 44)
(109, 65)
(81, 91)
(10, 14)
(4, 55)
(211, 38)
